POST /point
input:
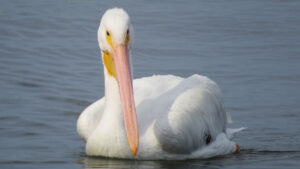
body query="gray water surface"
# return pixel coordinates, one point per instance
(50, 70)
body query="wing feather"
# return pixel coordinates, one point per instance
(196, 113)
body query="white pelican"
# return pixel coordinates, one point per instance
(158, 117)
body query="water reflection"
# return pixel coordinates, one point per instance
(98, 162)
(270, 158)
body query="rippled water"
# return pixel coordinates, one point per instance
(50, 70)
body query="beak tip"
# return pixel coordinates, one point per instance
(134, 150)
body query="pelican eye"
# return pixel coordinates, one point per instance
(127, 36)
(109, 38)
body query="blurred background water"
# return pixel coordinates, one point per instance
(50, 70)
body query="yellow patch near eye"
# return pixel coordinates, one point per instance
(109, 64)
(127, 39)
(108, 38)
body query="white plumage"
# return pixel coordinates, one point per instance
(178, 118)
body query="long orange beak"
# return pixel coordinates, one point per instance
(122, 66)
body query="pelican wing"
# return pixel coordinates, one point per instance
(187, 113)
(89, 118)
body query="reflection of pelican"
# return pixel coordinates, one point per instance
(176, 118)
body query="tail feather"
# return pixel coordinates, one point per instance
(231, 132)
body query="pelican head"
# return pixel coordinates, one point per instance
(115, 28)
(115, 36)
